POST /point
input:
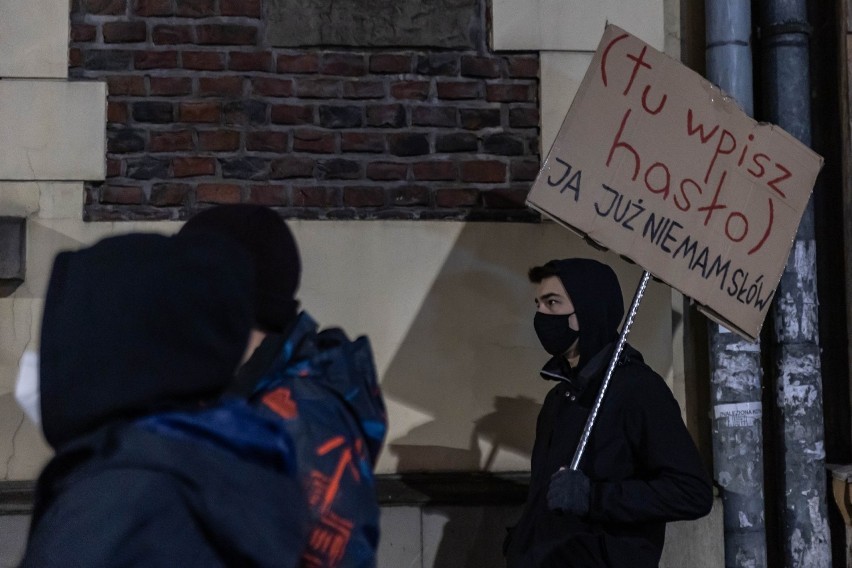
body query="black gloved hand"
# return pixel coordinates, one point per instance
(569, 491)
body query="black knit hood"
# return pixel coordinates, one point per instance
(140, 323)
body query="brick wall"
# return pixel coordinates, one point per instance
(201, 111)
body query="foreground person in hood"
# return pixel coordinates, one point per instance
(640, 468)
(140, 337)
(319, 386)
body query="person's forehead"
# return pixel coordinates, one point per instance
(551, 285)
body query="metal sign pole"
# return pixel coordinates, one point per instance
(622, 339)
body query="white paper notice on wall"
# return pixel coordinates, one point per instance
(738, 415)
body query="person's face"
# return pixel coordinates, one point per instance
(551, 298)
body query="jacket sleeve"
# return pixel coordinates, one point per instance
(670, 482)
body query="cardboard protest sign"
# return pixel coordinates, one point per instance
(659, 165)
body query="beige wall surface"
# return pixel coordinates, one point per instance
(33, 38)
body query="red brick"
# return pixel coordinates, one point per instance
(219, 140)
(246, 8)
(303, 63)
(113, 168)
(457, 197)
(520, 117)
(362, 142)
(457, 90)
(364, 196)
(105, 7)
(508, 93)
(153, 7)
(522, 66)
(431, 115)
(124, 85)
(476, 66)
(410, 90)
(269, 141)
(172, 35)
(75, 57)
(318, 88)
(193, 166)
(222, 193)
(292, 114)
(170, 86)
(117, 112)
(435, 170)
(83, 32)
(195, 8)
(505, 198)
(269, 87)
(226, 34)
(124, 32)
(250, 60)
(169, 194)
(220, 86)
(200, 112)
(312, 196)
(390, 63)
(202, 60)
(313, 141)
(177, 141)
(269, 195)
(344, 64)
(364, 89)
(524, 170)
(155, 59)
(409, 196)
(387, 171)
(483, 171)
(122, 195)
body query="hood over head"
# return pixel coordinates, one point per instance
(138, 323)
(596, 295)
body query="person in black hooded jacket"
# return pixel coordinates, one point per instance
(640, 468)
(141, 335)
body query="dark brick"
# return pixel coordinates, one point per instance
(292, 114)
(107, 59)
(219, 140)
(364, 196)
(457, 142)
(408, 144)
(122, 195)
(477, 118)
(390, 116)
(169, 194)
(503, 144)
(523, 170)
(387, 171)
(192, 166)
(173, 35)
(220, 86)
(291, 167)
(457, 197)
(313, 196)
(444, 170)
(153, 111)
(302, 63)
(117, 112)
(246, 8)
(312, 88)
(417, 90)
(202, 60)
(245, 111)
(155, 59)
(396, 214)
(200, 112)
(147, 168)
(433, 116)
(341, 116)
(390, 63)
(363, 89)
(269, 87)
(170, 86)
(219, 193)
(438, 64)
(124, 140)
(338, 168)
(523, 117)
(343, 64)
(459, 90)
(517, 92)
(409, 196)
(133, 85)
(502, 198)
(247, 167)
(362, 142)
(195, 8)
(105, 7)
(475, 66)
(522, 66)
(267, 141)
(124, 32)
(483, 171)
(250, 61)
(113, 168)
(269, 195)
(83, 32)
(75, 60)
(177, 141)
(316, 141)
(226, 34)
(153, 8)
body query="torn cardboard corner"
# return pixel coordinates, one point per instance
(659, 165)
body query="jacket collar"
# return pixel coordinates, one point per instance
(557, 368)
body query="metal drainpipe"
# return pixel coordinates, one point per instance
(735, 362)
(785, 34)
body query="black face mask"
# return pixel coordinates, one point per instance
(554, 332)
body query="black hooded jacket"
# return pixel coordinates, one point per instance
(643, 466)
(136, 328)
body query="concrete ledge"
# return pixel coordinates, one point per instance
(33, 38)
